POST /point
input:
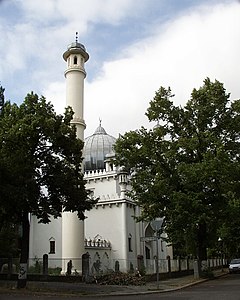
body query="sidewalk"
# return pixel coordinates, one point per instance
(101, 290)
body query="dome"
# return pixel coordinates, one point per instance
(76, 48)
(76, 45)
(96, 148)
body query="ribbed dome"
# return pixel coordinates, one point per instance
(96, 147)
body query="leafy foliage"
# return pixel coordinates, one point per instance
(1, 98)
(9, 237)
(118, 278)
(40, 162)
(186, 169)
(40, 167)
(229, 231)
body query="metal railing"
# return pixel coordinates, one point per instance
(58, 266)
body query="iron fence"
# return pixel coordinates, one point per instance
(59, 266)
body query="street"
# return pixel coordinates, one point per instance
(223, 288)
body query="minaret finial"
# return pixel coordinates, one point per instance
(76, 36)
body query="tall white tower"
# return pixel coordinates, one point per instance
(72, 227)
(76, 56)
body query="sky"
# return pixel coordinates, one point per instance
(135, 46)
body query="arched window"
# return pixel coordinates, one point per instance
(130, 242)
(75, 60)
(52, 245)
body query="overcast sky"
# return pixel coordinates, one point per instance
(135, 46)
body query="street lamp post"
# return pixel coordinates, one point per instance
(157, 259)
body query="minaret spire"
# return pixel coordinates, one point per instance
(75, 57)
(72, 228)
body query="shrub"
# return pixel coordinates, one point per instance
(119, 278)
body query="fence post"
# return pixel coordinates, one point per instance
(196, 269)
(45, 264)
(187, 264)
(85, 266)
(179, 264)
(140, 264)
(117, 267)
(10, 267)
(169, 266)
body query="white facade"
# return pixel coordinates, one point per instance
(109, 234)
(112, 218)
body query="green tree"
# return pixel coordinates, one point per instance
(9, 241)
(1, 98)
(9, 238)
(9, 246)
(186, 168)
(229, 231)
(41, 160)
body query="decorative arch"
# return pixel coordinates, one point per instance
(105, 261)
(97, 264)
(149, 230)
(52, 245)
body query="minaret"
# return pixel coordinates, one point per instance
(76, 56)
(72, 227)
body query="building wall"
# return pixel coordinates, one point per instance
(40, 237)
(111, 220)
(103, 184)
(106, 221)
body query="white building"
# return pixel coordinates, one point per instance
(109, 234)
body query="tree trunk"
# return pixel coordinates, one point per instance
(22, 276)
(201, 241)
(202, 249)
(10, 267)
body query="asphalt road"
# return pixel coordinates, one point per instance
(223, 288)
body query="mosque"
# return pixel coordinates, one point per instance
(109, 235)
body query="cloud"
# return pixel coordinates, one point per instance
(35, 33)
(81, 11)
(56, 94)
(181, 54)
(162, 47)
